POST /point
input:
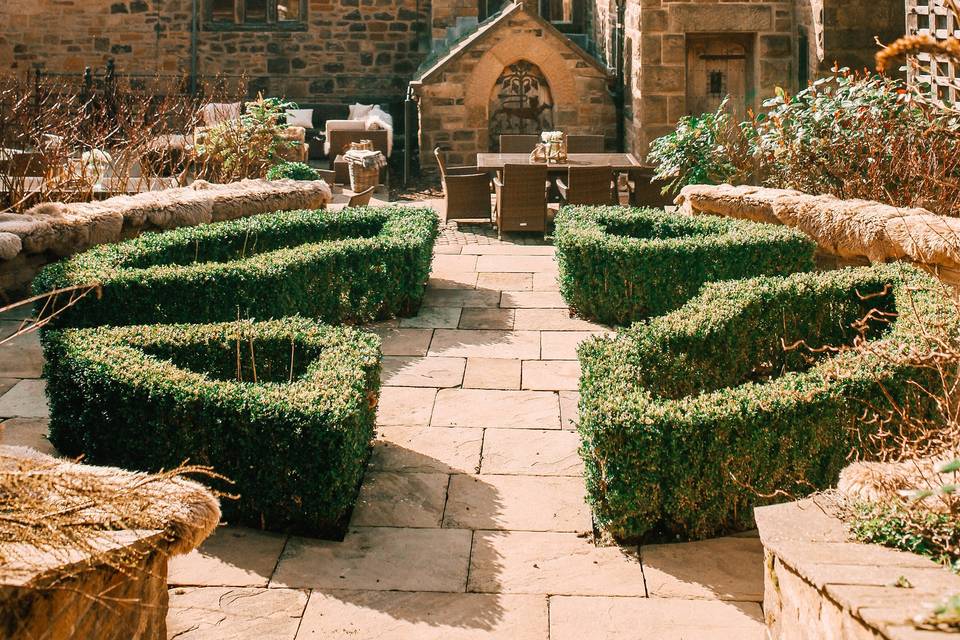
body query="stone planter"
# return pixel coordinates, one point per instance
(95, 600)
(819, 584)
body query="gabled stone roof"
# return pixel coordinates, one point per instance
(434, 66)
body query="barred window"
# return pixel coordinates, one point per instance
(256, 15)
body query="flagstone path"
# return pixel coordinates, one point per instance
(471, 521)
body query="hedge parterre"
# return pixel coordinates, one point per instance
(284, 408)
(618, 265)
(690, 419)
(353, 266)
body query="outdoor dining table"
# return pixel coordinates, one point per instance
(617, 161)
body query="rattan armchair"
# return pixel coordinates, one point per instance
(521, 198)
(466, 191)
(647, 192)
(516, 143)
(362, 198)
(584, 144)
(588, 185)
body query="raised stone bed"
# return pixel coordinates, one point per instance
(853, 231)
(820, 584)
(54, 230)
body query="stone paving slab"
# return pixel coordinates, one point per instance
(531, 452)
(505, 281)
(7, 383)
(516, 264)
(504, 409)
(484, 318)
(430, 317)
(232, 556)
(492, 373)
(551, 375)
(407, 371)
(231, 613)
(508, 250)
(460, 298)
(579, 618)
(453, 280)
(426, 450)
(379, 615)
(532, 300)
(408, 406)
(721, 568)
(447, 249)
(462, 343)
(545, 281)
(517, 503)
(569, 411)
(562, 345)
(27, 399)
(551, 563)
(378, 558)
(404, 342)
(27, 432)
(458, 263)
(21, 357)
(553, 320)
(392, 499)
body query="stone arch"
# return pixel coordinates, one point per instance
(509, 51)
(520, 102)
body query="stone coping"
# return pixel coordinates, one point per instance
(846, 588)
(55, 230)
(849, 229)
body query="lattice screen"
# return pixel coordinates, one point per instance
(931, 74)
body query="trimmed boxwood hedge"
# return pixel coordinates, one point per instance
(688, 418)
(290, 424)
(618, 265)
(352, 266)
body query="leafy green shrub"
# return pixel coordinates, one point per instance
(705, 149)
(928, 533)
(618, 265)
(352, 266)
(687, 419)
(284, 408)
(292, 170)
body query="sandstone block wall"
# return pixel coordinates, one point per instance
(347, 49)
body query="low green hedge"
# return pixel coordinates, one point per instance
(689, 418)
(618, 265)
(284, 408)
(352, 266)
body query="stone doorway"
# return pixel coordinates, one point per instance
(720, 66)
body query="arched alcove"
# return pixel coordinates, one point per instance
(520, 102)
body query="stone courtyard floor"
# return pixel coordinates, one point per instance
(471, 521)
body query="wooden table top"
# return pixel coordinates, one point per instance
(618, 161)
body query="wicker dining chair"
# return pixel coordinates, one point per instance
(327, 175)
(362, 198)
(584, 144)
(466, 191)
(517, 143)
(587, 185)
(646, 192)
(521, 198)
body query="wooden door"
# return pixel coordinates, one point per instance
(719, 66)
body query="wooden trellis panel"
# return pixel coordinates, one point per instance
(934, 75)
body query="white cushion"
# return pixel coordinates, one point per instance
(359, 111)
(216, 112)
(300, 118)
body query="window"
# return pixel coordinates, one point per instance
(256, 15)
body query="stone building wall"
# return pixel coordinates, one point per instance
(455, 93)
(658, 31)
(347, 49)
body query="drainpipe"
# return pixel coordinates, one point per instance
(410, 131)
(194, 28)
(618, 91)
